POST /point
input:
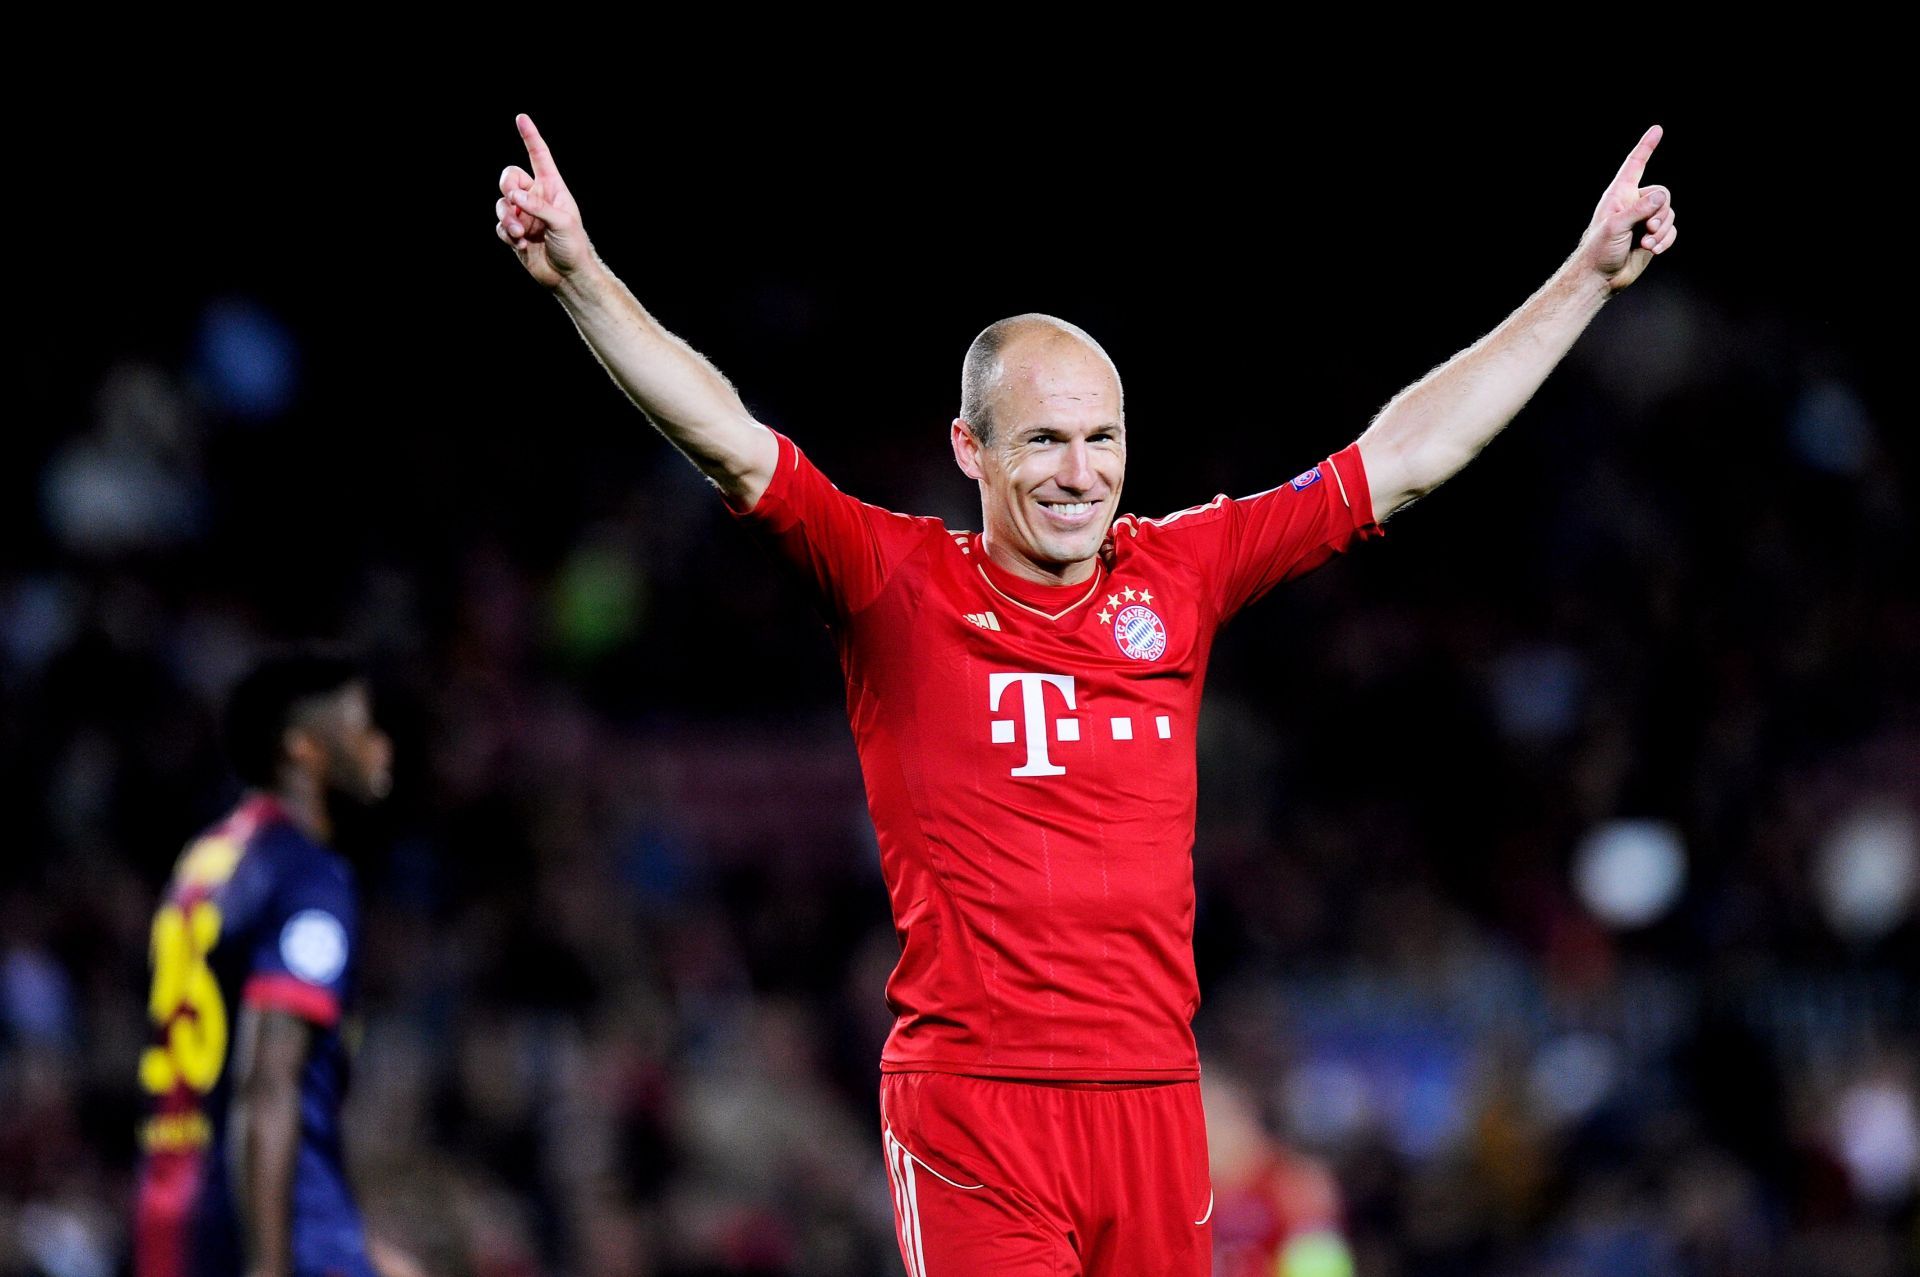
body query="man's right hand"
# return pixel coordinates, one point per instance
(536, 216)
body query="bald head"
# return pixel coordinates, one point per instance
(1004, 343)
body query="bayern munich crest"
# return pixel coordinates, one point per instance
(1139, 633)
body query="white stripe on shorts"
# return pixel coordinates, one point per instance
(913, 1202)
(896, 1177)
(906, 1199)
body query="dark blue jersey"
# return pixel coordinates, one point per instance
(257, 914)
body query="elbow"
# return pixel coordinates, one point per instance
(743, 470)
(1390, 501)
(1400, 471)
(1426, 468)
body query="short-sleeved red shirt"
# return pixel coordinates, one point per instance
(1029, 760)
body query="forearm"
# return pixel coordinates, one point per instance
(264, 1143)
(1428, 432)
(685, 396)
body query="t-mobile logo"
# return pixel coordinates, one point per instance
(1033, 696)
(1033, 704)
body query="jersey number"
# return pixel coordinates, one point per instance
(186, 1003)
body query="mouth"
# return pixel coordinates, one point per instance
(1069, 515)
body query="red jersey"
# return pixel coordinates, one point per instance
(1028, 753)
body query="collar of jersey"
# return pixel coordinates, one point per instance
(258, 810)
(1049, 601)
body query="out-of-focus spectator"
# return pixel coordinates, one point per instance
(1276, 1212)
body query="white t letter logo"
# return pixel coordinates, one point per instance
(1034, 702)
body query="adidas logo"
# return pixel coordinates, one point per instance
(985, 620)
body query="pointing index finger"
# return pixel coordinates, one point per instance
(537, 152)
(1630, 170)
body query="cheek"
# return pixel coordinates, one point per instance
(1022, 480)
(1009, 488)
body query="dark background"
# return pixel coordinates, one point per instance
(626, 946)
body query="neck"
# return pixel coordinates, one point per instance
(1077, 572)
(305, 801)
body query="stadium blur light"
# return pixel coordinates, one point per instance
(1629, 873)
(248, 363)
(1878, 1140)
(1867, 870)
(1572, 1075)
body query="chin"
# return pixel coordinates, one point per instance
(361, 795)
(1064, 556)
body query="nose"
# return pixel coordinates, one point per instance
(1076, 469)
(379, 776)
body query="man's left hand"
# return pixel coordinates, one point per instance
(1632, 223)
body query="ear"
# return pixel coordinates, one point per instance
(966, 449)
(302, 748)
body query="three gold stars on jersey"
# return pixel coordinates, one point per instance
(1113, 601)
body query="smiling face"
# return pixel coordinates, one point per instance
(1051, 471)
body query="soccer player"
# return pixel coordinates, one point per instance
(1276, 1211)
(1024, 700)
(253, 965)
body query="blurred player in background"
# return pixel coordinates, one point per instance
(1024, 701)
(253, 950)
(1276, 1211)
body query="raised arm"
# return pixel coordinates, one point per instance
(695, 407)
(1430, 430)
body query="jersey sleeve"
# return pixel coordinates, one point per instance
(844, 549)
(303, 955)
(1246, 546)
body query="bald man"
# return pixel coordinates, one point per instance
(1024, 700)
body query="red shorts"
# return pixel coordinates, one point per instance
(993, 1178)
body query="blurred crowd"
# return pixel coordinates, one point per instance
(1556, 858)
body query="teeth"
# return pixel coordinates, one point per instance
(1077, 507)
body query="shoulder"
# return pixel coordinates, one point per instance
(302, 873)
(1137, 527)
(1211, 516)
(908, 536)
(1189, 533)
(947, 554)
(231, 862)
(315, 915)
(921, 525)
(799, 487)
